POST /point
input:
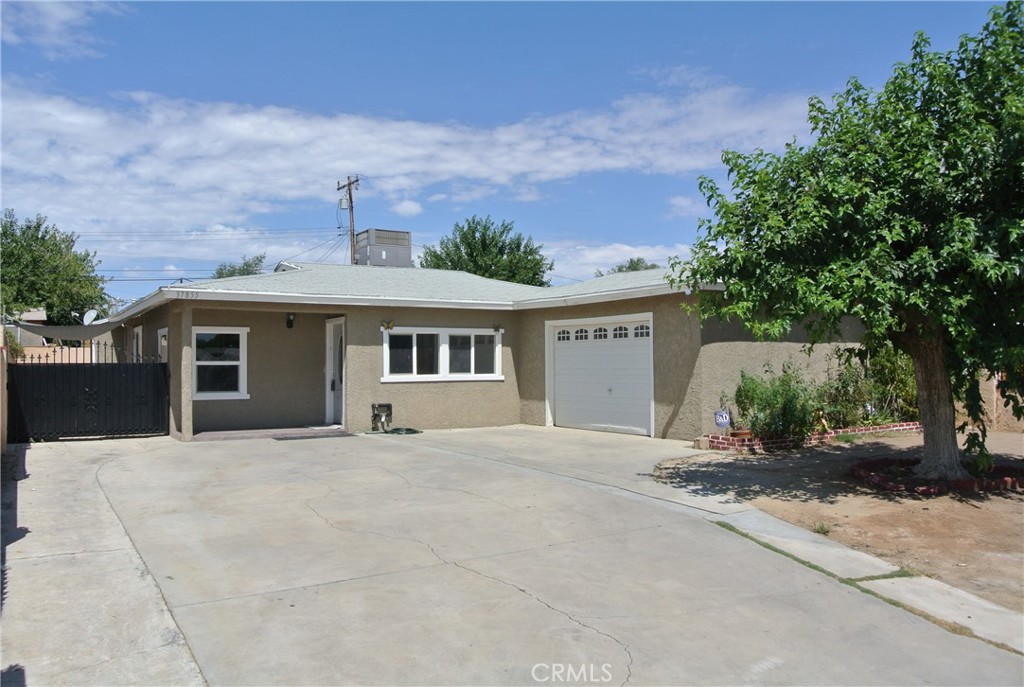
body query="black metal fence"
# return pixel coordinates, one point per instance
(97, 353)
(52, 400)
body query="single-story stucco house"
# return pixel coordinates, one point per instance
(316, 344)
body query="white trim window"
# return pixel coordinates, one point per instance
(219, 363)
(162, 345)
(431, 354)
(137, 345)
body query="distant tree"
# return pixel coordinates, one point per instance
(481, 247)
(41, 269)
(906, 212)
(631, 265)
(253, 265)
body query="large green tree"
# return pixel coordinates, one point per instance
(631, 265)
(253, 265)
(40, 268)
(479, 246)
(907, 211)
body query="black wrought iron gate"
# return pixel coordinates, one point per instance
(56, 400)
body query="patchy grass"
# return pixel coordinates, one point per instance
(822, 528)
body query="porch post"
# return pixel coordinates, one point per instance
(185, 366)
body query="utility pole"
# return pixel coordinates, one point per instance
(353, 183)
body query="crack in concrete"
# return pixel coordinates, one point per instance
(456, 564)
(570, 616)
(456, 489)
(16, 558)
(178, 640)
(148, 574)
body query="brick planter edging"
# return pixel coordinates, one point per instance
(873, 472)
(720, 442)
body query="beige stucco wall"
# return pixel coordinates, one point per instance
(426, 405)
(676, 340)
(286, 369)
(693, 364)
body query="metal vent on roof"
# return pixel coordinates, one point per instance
(384, 247)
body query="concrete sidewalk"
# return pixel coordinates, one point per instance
(466, 557)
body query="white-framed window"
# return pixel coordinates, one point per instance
(428, 354)
(162, 345)
(620, 332)
(219, 367)
(137, 345)
(600, 333)
(564, 335)
(582, 335)
(642, 331)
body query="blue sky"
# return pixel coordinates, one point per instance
(172, 136)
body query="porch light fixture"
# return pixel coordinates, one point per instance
(289, 321)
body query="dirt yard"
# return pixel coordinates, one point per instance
(974, 542)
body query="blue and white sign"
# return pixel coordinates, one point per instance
(722, 418)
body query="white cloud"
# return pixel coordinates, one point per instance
(580, 261)
(58, 29)
(684, 206)
(142, 164)
(407, 208)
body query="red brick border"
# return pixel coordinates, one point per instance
(719, 442)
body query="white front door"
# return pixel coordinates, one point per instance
(334, 372)
(602, 376)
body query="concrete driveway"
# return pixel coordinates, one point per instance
(504, 556)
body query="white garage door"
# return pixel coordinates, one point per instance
(602, 375)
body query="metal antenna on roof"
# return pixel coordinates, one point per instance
(352, 184)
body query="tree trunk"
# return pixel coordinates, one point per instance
(942, 456)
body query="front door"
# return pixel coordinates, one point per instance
(335, 371)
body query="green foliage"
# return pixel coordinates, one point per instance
(253, 265)
(42, 269)
(776, 406)
(892, 385)
(481, 247)
(854, 394)
(871, 389)
(631, 265)
(843, 399)
(14, 348)
(906, 212)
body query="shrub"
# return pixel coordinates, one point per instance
(893, 386)
(878, 389)
(777, 405)
(14, 349)
(844, 397)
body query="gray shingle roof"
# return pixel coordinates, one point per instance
(394, 286)
(369, 282)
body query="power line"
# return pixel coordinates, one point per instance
(308, 250)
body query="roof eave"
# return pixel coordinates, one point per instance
(600, 297)
(318, 299)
